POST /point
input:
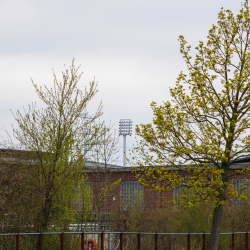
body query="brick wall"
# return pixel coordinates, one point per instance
(152, 200)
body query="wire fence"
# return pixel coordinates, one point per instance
(107, 240)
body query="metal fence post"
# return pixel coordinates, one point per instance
(247, 241)
(17, 241)
(204, 241)
(102, 241)
(62, 241)
(233, 241)
(139, 241)
(82, 241)
(121, 241)
(40, 241)
(188, 242)
(156, 241)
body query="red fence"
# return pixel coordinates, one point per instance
(121, 237)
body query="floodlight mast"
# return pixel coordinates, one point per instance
(125, 128)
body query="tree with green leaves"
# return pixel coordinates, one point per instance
(57, 139)
(203, 130)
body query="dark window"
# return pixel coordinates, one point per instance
(131, 195)
(184, 194)
(242, 186)
(82, 197)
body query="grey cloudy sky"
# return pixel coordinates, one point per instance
(130, 46)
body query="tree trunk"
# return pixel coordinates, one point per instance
(215, 231)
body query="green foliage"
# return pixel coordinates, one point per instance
(205, 124)
(202, 130)
(131, 217)
(82, 204)
(54, 142)
(197, 219)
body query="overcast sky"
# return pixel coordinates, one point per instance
(130, 46)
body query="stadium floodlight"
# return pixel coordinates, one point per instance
(125, 128)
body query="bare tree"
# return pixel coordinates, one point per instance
(105, 159)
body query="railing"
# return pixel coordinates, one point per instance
(121, 238)
(93, 221)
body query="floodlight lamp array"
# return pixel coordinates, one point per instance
(125, 127)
